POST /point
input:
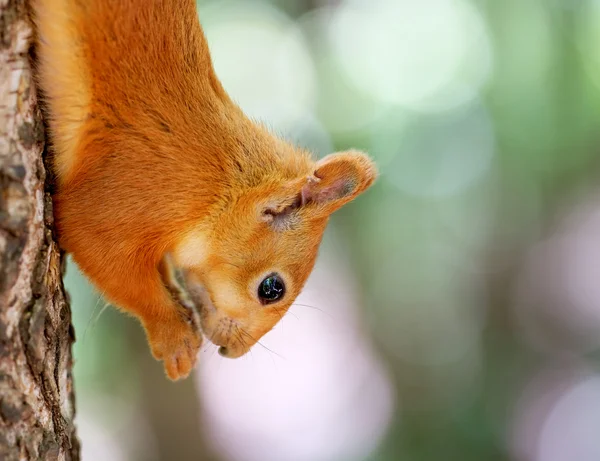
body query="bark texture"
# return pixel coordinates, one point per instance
(36, 388)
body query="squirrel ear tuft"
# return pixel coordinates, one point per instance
(338, 179)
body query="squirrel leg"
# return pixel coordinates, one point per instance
(171, 327)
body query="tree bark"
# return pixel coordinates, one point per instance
(36, 387)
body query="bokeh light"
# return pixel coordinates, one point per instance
(558, 416)
(427, 55)
(439, 155)
(313, 389)
(576, 413)
(558, 290)
(262, 60)
(454, 312)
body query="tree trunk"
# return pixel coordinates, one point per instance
(36, 387)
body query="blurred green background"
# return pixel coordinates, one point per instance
(454, 313)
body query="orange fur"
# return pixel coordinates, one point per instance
(154, 159)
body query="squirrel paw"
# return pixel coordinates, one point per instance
(176, 343)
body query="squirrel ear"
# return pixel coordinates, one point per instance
(338, 179)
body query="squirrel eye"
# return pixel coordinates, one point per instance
(271, 289)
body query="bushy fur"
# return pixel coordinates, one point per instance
(153, 158)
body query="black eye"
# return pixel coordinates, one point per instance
(271, 289)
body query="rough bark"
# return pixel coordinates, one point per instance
(36, 388)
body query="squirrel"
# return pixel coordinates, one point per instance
(158, 170)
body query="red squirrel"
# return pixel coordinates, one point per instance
(157, 169)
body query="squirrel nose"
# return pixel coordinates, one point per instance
(231, 353)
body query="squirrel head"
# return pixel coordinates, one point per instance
(262, 247)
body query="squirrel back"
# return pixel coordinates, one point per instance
(158, 169)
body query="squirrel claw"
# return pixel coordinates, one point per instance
(177, 346)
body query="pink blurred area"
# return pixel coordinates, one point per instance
(314, 389)
(454, 312)
(557, 416)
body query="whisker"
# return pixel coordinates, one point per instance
(292, 313)
(106, 306)
(90, 320)
(245, 344)
(220, 362)
(261, 344)
(213, 353)
(237, 334)
(281, 315)
(308, 305)
(258, 342)
(94, 321)
(328, 314)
